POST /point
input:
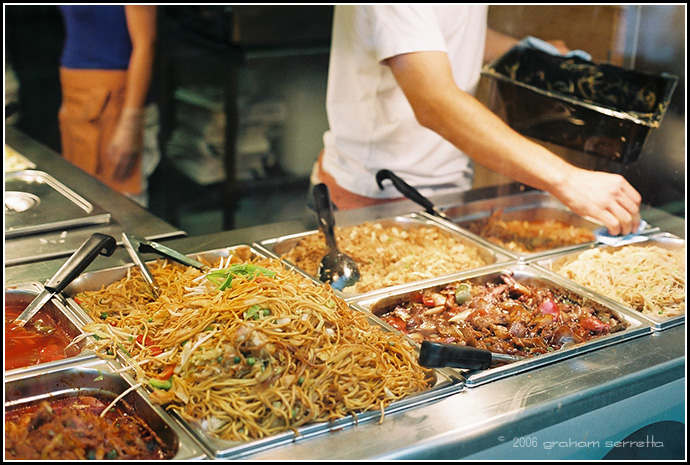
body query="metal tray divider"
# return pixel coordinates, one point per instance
(84, 359)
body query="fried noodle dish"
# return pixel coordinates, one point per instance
(649, 279)
(390, 255)
(529, 236)
(251, 348)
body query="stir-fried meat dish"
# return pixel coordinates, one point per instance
(73, 429)
(529, 236)
(505, 317)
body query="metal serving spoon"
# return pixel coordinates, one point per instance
(336, 268)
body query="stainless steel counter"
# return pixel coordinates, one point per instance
(125, 214)
(626, 400)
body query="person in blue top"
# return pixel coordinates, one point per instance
(105, 73)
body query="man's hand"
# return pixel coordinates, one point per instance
(605, 197)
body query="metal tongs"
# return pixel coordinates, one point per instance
(97, 244)
(136, 245)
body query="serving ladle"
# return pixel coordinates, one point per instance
(336, 268)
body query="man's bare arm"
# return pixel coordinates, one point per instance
(438, 104)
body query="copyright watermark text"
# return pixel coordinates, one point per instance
(534, 442)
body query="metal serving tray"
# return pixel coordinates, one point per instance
(663, 240)
(523, 273)
(527, 206)
(35, 202)
(21, 295)
(276, 247)
(95, 377)
(445, 382)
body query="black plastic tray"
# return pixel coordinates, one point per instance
(601, 109)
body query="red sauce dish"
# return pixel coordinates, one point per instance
(40, 340)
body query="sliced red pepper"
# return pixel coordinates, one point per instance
(167, 372)
(415, 296)
(155, 350)
(397, 323)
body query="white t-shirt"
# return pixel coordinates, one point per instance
(372, 125)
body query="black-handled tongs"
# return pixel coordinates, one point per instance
(409, 192)
(97, 244)
(136, 245)
(442, 355)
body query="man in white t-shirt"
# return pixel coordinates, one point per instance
(400, 88)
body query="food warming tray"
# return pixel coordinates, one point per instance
(663, 240)
(523, 273)
(525, 206)
(35, 202)
(600, 109)
(276, 247)
(96, 378)
(445, 382)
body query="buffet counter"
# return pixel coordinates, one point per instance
(623, 400)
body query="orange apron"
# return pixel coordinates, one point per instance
(91, 105)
